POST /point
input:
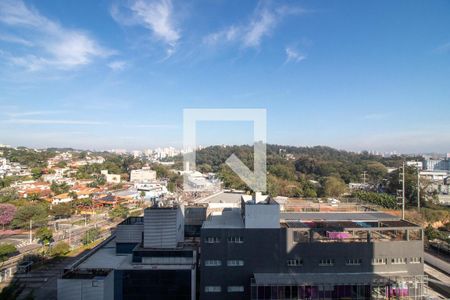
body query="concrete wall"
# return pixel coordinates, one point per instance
(262, 216)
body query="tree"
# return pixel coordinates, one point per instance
(44, 235)
(334, 187)
(394, 184)
(381, 199)
(61, 164)
(35, 212)
(58, 189)
(60, 249)
(8, 195)
(90, 236)
(7, 213)
(36, 173)
(6, 250)
(73, 195)
(119, 212)
(63, 210)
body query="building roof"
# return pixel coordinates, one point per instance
(104, 258)
(222, 198)
(337, 216)
(229, 218)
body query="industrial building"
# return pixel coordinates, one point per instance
(256, 252)
(253, 251)
(147, 258)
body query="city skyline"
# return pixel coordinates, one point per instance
(112, 74)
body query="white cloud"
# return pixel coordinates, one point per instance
(117, 65)
(264, 20)
(15, 40)
(53, 45)
(292, 55)
(156, 16)
(52, 122)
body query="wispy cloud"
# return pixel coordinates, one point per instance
(53, 122)
(157, 16)
(118, 65)
(262, 23)
(50, 44)
(161, 126)
(15, 40)
(376, 116)
(293, 55)
(34, 113)
(444, 48)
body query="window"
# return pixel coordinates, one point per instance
(235, 239)
(326, 262)
(213, 263)
(235, 263)
(235, 288)
(212, 240)
(295, 262)
(398, 261)
(415, 260)
(213, 289)
(353, 261)
(379, 261)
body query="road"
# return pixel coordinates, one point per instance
(437, 263)
(438, 272)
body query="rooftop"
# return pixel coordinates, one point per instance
(222, 198)
(229, 218)
(337, 216)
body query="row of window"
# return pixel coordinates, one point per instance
(357, 261)
(218, 263)
(218, 289)
(230, 239)
(323, 262)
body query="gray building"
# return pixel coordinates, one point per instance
(147, 258)
(309, 255)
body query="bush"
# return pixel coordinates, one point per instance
(60, 249)
(381, 199)
(6, 250)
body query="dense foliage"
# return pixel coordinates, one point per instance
(381, 199)
(300, 171)
(28, 157)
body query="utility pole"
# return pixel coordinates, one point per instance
(403, 191)
(364, 177)
(418, 188)
(31, 234)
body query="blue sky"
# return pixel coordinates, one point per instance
(349, 74)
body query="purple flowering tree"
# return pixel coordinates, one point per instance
(7, 213)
